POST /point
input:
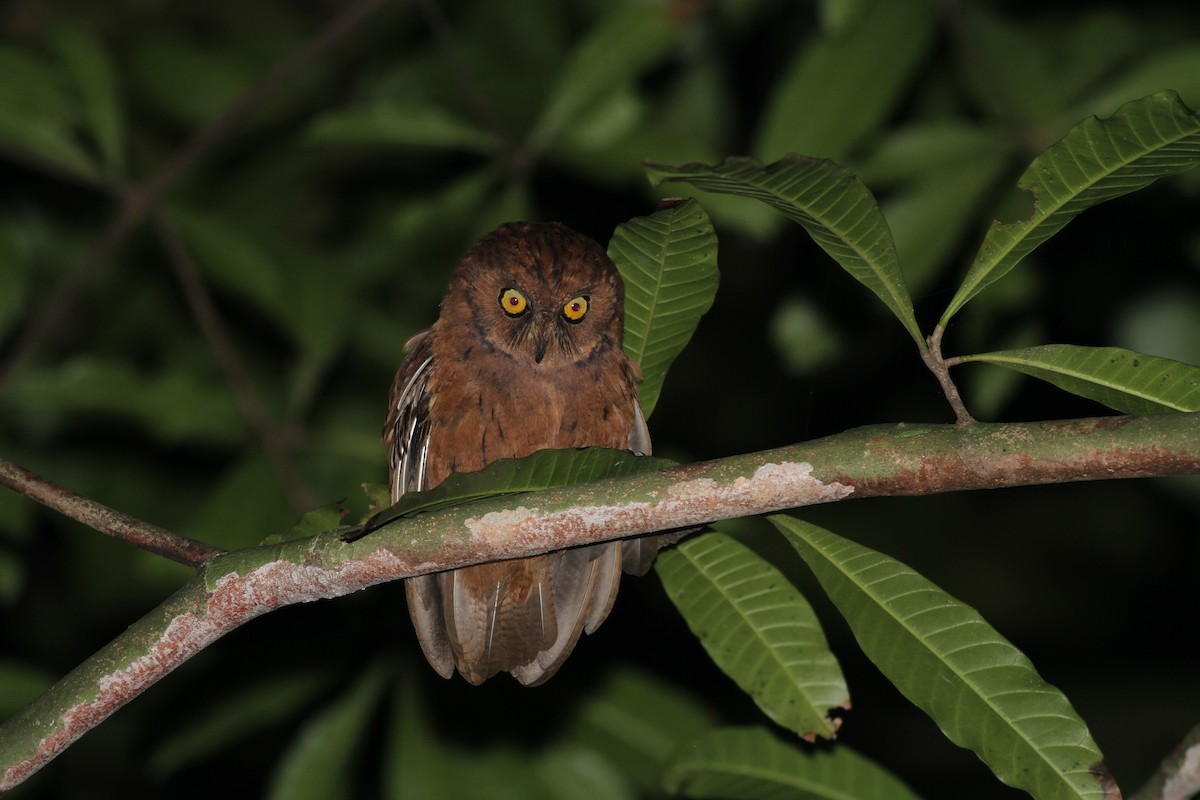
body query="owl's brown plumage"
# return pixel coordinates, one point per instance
(525, 355)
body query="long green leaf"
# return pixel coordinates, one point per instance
(834, 206)
(569, 771)
(1096, 161)
(758, 629)
(751, 764)
(669, 263)
(870, 58)
(637, 719)
(632, 39)
(544, 469)
(318, 765)
(981, 691)
(414, 125)
(91, 69)
(1122, 379)
(233, 718)
(39, 113)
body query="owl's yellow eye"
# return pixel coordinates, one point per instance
(576, 308)
(513, 302)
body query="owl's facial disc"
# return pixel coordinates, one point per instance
(543, 330)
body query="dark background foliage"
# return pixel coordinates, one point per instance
(323, 229)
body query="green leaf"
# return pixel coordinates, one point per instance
(571, 772)
(235, 717)
(937, 177)
(89, 66)
(758, 629)
(246, 500)
(177, 404)
(1164, 320)
(319, 763)
(38, 113)
(312, 522)
(870, 59)
(232, 260)
(981, 691)
(834, 206)
(422, 762)
(630, 40)
(418, 125)
(751, 764)
(1121, 379)
(638, 720)
(1009, 72)
(1176, 66)
(1096, 161)
(669, 263)
(192, 82)
(931, 217)
(544, 469)
(416, 762)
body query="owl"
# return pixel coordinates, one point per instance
(525, 355)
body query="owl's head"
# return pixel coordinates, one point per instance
(539, 293)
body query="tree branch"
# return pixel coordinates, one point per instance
(106, 520)
(232, 589)
(1178, 778)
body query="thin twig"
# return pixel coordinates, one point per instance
(941, 370)
(245, 394)
(106, 520)
(142, 200)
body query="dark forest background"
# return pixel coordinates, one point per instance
(221, 364)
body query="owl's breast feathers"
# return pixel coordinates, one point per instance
(492, 406)
(454, 414)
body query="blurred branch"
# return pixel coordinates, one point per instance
(478, 100)
(104, 519)
(246, 395)
(1178, 778)
(140, 201)
(879, 460)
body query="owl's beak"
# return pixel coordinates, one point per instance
(543, 343)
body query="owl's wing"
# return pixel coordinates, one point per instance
(583, 584)
(637, 554)
(406, 435)
(572, 591)
(406, 430)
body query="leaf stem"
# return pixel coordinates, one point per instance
(940, 367)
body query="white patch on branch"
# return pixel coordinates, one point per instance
(1185, 783)
(688, 502)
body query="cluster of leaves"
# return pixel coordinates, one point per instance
(322, 231)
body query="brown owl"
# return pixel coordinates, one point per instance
(525, 355)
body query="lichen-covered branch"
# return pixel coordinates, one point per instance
(1178, 778)
(233, 588)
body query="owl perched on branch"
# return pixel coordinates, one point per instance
(525, 355)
